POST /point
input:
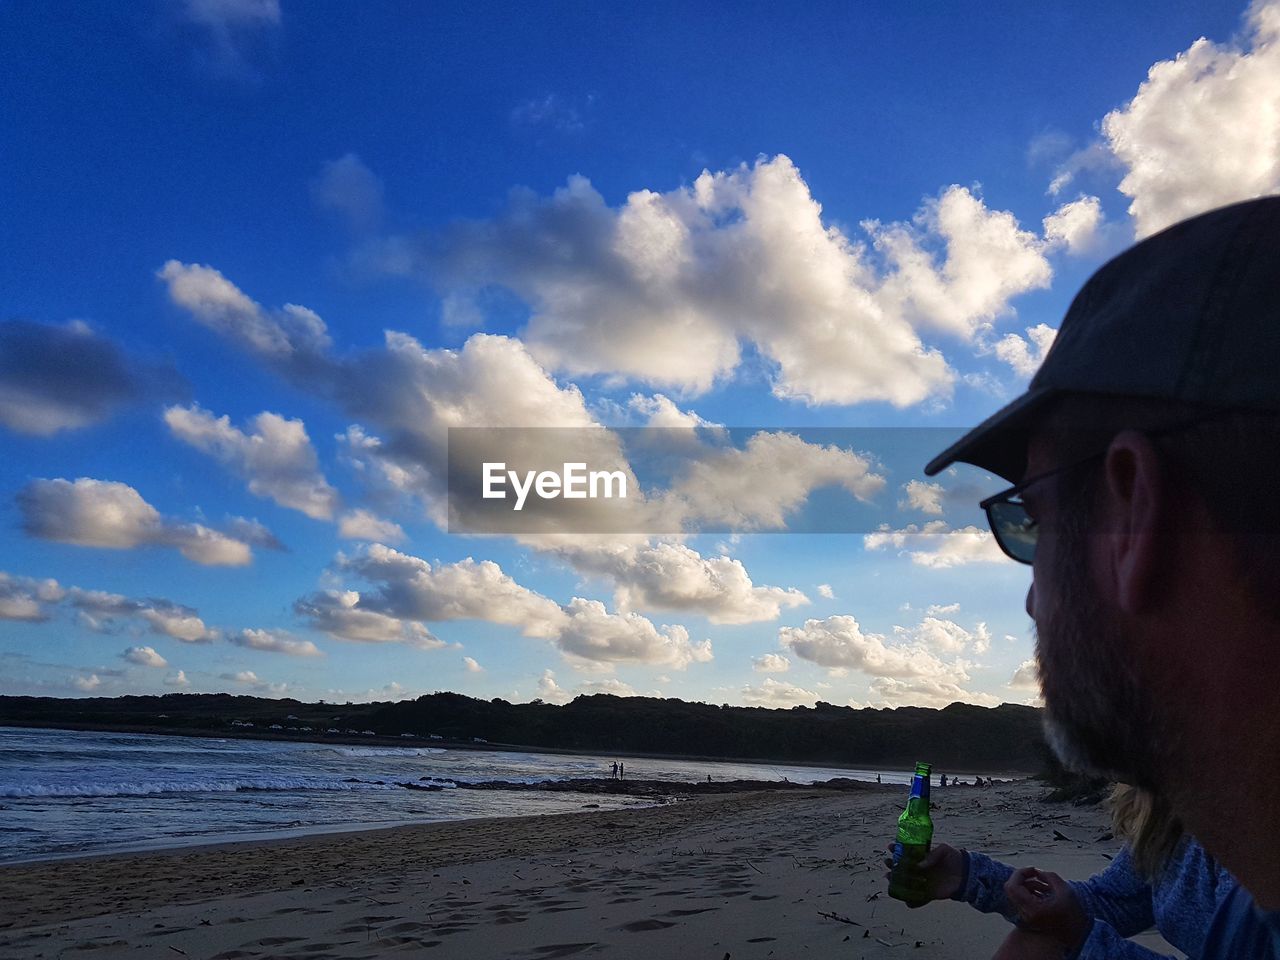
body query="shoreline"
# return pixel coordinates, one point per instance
(423, 743)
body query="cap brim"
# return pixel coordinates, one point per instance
(999, 443)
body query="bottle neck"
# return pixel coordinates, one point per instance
(920, 788)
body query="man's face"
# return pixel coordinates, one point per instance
(1097, 718)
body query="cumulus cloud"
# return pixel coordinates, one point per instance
(409, 592)
(1203, 129)
(840, 643)
(946, 636)
(275, 641)
(247, 678)
(675, 577)
(25, 598)
(56, 378)
(936, 545)
(922, 496)
(1075, 225)
(926, 692)
(275, 457)
(472, 666)
(86, 683)
(775, 693)
(663, 289)
(1026, 677)
(145, 657)
(292, 334)
(339, 614)
(1025, 356)
(351, 190)
(360, 524)
(178, 680)
(610, 685)
(989, 260)
(825, 591)
(549, 690)
(770, 663)
(101, 611)
(103, 513)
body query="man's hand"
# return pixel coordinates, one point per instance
(1046, 904)
(943, 866)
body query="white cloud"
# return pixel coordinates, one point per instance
(549, 690)
(770, 663)
(101, 513)
(942, 609)
(55, 378)
(293, 334)
(672, 576)
(339, 614)
(989, 260)
(248, 678)
(472, 665)
(275, 457)
(275, 641)
(926, 692)
(350, 189)
(1025, 356)
(946, 636)
(1075, 225)
(178, 680)
(922, 496)
(935, 545)
(610, 685)
(825, 591)
(24, 598)
(594, 635)
(775, 693)
(840, 643)
(1203, 129)
(662, 289)
(144, 656)
(87, 683)
(1026, 677)
(360, 524)
(100, 610)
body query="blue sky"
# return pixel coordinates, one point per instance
(221, 471)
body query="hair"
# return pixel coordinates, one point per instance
(1147, 825)
(1227, 459)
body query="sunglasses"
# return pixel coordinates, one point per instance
(1015, 530)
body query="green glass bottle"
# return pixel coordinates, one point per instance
(915, 834)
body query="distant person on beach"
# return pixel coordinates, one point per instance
(942, 780)
(622, 771)
(877, 778)
(1144, 457)
(1161, 877)
(614, 774)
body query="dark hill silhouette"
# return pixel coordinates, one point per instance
(957, 737)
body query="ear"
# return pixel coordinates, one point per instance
(1135, 501)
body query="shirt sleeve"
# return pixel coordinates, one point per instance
(983, 887)
(1119, 896)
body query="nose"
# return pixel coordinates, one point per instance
(1031, 600)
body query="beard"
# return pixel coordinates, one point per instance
(1098, 716)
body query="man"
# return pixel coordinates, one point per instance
(1146, 458)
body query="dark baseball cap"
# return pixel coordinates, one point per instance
(1191, 314)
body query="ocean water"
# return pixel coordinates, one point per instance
(69, 793)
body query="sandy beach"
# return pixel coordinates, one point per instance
(734, 876)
